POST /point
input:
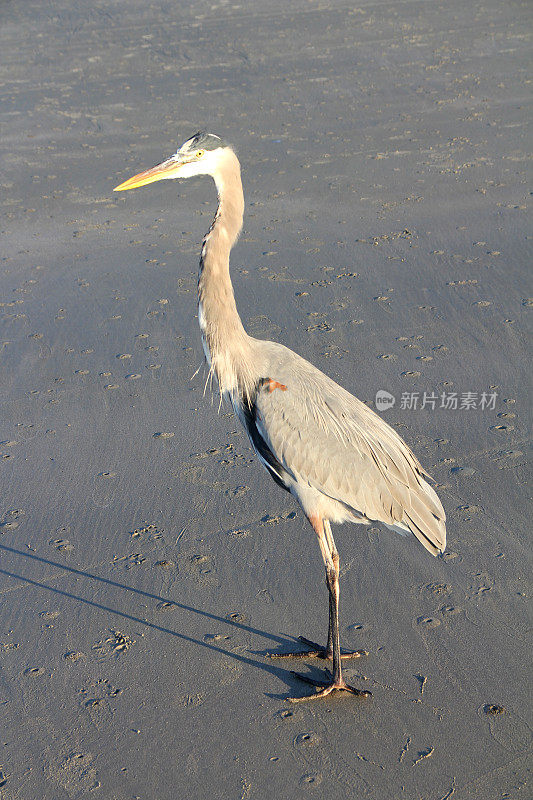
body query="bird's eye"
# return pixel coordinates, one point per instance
(199, 153)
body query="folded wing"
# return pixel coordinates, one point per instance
(317, 432)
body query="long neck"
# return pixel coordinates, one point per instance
(227, 345)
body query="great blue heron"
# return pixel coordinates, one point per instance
(334, 454)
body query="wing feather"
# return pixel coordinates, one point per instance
(321, 434)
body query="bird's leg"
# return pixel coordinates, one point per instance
(329, 646)
(336, 563)
(335, 558)
(315, 650)
(337, 683)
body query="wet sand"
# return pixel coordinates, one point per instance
(147, 563)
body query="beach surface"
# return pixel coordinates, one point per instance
(148, 565)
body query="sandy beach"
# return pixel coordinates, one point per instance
(148, 565)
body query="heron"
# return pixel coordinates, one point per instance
(332, 452)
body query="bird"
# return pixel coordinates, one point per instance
(338, 458)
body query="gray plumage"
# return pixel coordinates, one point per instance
(328, 440)
(339, 459)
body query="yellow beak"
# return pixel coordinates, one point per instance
(167, 169)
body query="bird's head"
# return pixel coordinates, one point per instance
(199, 155)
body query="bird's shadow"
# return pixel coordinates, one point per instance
(280, 673)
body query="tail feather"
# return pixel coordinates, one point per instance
(427, 521)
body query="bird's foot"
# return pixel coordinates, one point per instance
(322, 689)
(316, 651)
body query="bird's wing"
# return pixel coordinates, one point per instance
(321, 434)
